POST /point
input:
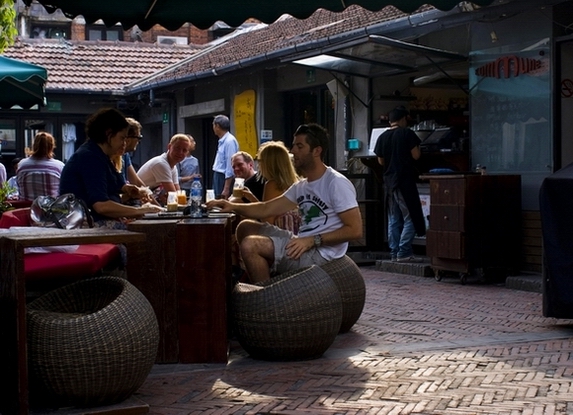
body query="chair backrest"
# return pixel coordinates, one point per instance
(16, 217)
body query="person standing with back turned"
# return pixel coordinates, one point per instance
(397, 149)
(227, 146)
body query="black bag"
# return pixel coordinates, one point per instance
(63, 212)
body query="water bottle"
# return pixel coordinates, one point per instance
(196, 198)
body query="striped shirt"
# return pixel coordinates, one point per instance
(38, 177)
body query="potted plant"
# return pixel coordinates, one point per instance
(5, 191)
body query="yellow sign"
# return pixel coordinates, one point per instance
(245, 125)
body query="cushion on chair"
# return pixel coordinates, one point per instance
(87, 260)
(16, 217)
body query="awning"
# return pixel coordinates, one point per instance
(171, 14)
(375, 56)
(21, 84)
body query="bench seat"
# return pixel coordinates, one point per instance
(86, 261)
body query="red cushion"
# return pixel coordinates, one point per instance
(16, 217)
(86, 261)
(20, 203)
(102, 253)
(56, 265)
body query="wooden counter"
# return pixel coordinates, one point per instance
(186, 276)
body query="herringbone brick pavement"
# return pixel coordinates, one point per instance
(420, 347)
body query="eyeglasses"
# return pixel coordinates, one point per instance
(139, 137)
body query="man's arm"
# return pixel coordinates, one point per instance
(351, 229)
(113, 209)
(380, 160)
(170, 187)
(257, 210)
(227, 187)
(133, 177)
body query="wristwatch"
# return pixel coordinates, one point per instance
(317, 240)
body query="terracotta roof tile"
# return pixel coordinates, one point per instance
(110, 66)
(282, 34)
(96, 66)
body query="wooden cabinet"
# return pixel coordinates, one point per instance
(475, 223)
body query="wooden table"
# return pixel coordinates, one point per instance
(13, 344)
(186, 276)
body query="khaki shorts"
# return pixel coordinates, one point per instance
(282, 263)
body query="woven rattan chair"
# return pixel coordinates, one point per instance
(350, 283)
(90, 343)
(294, 316)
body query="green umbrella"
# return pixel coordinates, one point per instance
(21, 83)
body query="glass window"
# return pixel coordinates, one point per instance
(47, 31)
(7, 137)
(511, 108)
(100, 32)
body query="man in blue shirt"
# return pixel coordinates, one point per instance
(223, 175)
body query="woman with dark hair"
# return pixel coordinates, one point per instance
(39, 174)
(91, 176)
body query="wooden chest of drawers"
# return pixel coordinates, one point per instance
(474, 222)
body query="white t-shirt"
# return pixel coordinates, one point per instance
(319, 203)
(157, 170)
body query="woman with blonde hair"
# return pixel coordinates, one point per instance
(39, 174)
(276, 167)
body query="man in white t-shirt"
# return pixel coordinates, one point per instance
(327, 203)
(160, 172)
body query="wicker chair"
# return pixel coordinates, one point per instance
(90, 343)
(294, 316)
(350, 283)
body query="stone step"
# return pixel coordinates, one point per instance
(420, 269)
(524, 282)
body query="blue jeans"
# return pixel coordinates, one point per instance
(400, 227)
(218, 182)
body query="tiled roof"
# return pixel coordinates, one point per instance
(100, 66)
(283, 34)
(95, 66)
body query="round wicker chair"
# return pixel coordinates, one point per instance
(294, 316)
(350, 283)
(90, 343)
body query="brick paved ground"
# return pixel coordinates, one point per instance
(420, 347)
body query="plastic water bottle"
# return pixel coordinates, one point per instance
(196, 198)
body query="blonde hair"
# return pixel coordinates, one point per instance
(275, 164)
(179, 137)
(117, 161)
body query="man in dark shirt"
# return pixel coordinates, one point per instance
(397, 149)
(244, 168)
